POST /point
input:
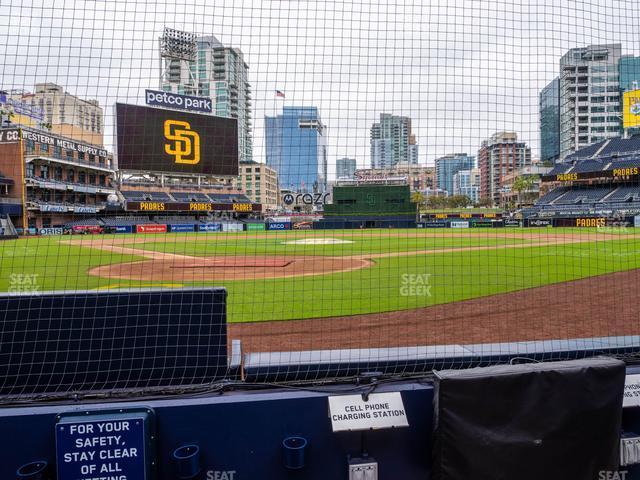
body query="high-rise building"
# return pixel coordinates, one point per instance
(448, 166)
(467, 183)
(219, 73)
(418, 177)
(392, 142)
(498, 157)
(66, 114)
(589, 96)
(549, 108)
(629, 71)
(259, 182)
(345, 168)
(296, 147)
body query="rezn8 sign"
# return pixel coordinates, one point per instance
(305, 198)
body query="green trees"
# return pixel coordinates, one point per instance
(454, 201)
(523, 184)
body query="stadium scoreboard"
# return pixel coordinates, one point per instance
(152, 139)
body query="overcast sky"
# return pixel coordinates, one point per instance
(461, 69)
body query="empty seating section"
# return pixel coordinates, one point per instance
(588, 166)
(633, 161)
(190, 197)
(86, 221)
(583, 195)
(621, 146)
(605, 198)
(133, 195)
(228, 198)
(560, 168)
(549, 197)
(624, 194)
(138, 196)
(587, 152)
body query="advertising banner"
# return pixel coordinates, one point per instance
(151, 228)
(539, 222)
(157, 140)
(51, 231)
(62, 143)
(52, 208)
(303, 225)
(124, 229)
(232, 227)
(459, 224)
(85, 209)
(19, 107)
(210, 227)
(279, 226)
(253, 227)
(482, 224)
(432, 225)
(10, 135)
(180, 227)
(512, 223)
(631, 108)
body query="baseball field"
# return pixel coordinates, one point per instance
(308, 289)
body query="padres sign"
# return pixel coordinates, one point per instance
(157, 140)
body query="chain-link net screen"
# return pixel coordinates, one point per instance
(394, 186)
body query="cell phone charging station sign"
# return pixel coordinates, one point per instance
(379, 411)
(99, 445)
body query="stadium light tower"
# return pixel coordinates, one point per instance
(177, 50)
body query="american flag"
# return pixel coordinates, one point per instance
(279, 93)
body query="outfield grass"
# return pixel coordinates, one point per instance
(356, 245)
(453, 276)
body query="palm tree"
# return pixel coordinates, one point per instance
(417, 197)
(523, 183)
(419, 200)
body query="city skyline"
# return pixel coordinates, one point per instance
(453, 95)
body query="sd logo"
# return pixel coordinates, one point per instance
(183, 143)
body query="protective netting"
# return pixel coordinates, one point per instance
(379, 186)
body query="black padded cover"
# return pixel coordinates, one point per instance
(60, 342)
(555, 420)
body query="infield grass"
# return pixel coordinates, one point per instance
(450, 276)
